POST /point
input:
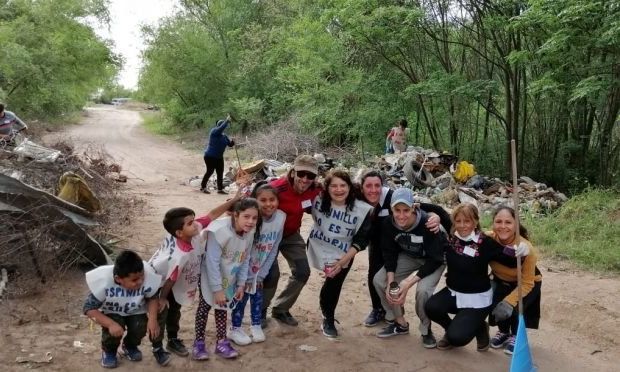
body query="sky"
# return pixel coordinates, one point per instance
(126, 18)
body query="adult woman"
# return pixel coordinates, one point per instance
(340, 231)
(468, 292)
(505, 294)
(214, 155)
(373, 192)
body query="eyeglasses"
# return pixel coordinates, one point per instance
(308, 175)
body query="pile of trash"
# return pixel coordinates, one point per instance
(436, 177)
(52, 214)
(442, 179)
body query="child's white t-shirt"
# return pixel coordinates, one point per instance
(119, 300)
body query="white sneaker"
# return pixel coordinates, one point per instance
(239, 337)
(257, 333)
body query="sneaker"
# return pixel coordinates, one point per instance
(499, 340)
(109, 360)
(222, 192)
(510, 345)
(429, 341)
(257, 333)
(161, 356)
(389, 322)
(329, 328)
(482, 338)
(199, 351)
(394, 329)
(205, 190)
(224, 349)
(285, 318)
(375, 316)
(239, 337)
(176, 346)
(132, 353)
(444, 344)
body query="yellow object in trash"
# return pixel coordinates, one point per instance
(75, 190)
(464, 171)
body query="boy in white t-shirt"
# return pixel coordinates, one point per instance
(178, 262)
(120, 296)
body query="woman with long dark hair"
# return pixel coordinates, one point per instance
(340, 231)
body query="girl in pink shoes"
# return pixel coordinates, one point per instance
(224, 273)
(264, 253)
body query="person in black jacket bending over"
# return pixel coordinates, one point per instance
(408, 246)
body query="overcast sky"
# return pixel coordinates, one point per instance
(127, 16)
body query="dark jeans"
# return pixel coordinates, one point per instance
(465, 325)
(503, 289)
(375, 263)
(217, 165)
(330, 292)
(135, 327)
(168, 320)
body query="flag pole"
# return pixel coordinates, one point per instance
(515, 201)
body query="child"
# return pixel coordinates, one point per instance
(223, 274)
(119, 298)
(178, 261)
(262, 256)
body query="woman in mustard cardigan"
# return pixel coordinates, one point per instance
(505, 295)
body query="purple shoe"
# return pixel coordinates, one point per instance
(224, 349)
(199, 351)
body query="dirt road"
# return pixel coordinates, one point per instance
(579, 330)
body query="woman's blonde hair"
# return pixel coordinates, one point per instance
(468, 210)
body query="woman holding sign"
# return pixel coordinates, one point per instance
(340, 231)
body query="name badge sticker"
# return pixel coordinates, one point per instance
(384, 212)
(468, 250)
(417, 239)
(306, 204)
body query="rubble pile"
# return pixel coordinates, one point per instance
(436, 177)
(46, 224)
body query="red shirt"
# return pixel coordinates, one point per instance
(291, 203)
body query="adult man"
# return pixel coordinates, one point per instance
(296, 191)
(214, 155)
(9, 122)
(413, 255)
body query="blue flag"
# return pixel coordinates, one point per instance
(522, 356)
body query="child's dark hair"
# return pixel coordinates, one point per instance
(403, 123)
(126, 263)
(247, 203)
(263, 186)
(522, 230)
(175, 218)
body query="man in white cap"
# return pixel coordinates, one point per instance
(413, 255)
(296, 191)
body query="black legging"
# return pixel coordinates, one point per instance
(330, 292)
(375, 263)
(217, 165)
(503, 289)
(465, 325)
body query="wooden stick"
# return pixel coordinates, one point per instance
(515, 200)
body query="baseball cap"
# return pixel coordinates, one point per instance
(306, 163)
(402, 195)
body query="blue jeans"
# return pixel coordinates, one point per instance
(256, 305)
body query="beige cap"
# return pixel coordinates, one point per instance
(306, 163)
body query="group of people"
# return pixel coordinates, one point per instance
(228, 261)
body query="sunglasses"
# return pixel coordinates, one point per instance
(308, 175)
